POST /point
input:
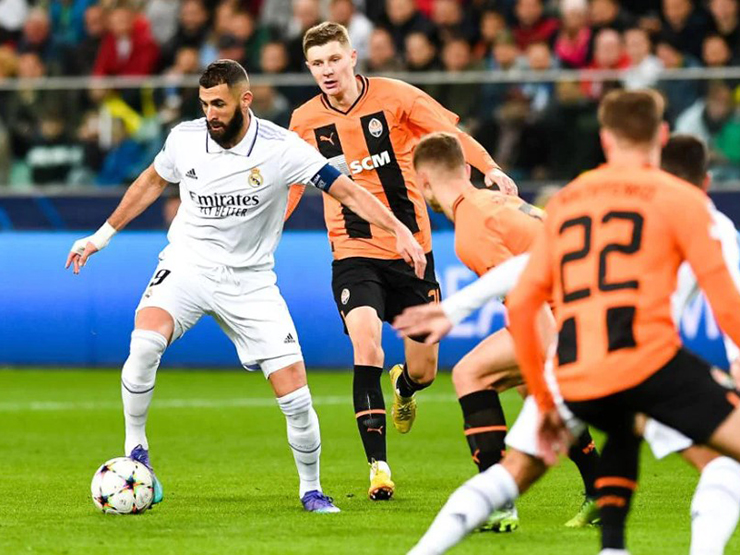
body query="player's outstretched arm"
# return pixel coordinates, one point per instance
(435, 321)
(140, 195)
(365, 205)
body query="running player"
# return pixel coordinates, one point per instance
(490, 228)
(716, 502)
(613, 241)
(234, 172)
(367, 128)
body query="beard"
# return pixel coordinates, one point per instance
(435, 206)
(224, 134)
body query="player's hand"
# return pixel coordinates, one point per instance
(504, 182)
(735, 371)
(553, 436)
(81, 251)
(83, 248)
(410, 250)
(426, 320)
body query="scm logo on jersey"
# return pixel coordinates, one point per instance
(370, 162)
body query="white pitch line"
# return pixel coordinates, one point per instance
(249, 402)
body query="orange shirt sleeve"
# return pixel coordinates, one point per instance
(524, 303)
(429, 116)
(694, 226)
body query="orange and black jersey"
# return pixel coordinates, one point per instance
(372, 143)
(608, 256)
(491, 227)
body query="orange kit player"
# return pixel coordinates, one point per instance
(490, 228)
(608, 258)
(367, 128)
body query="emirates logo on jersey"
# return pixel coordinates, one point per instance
(375, 128)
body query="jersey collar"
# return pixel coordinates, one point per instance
(364, 84)
(243, 147)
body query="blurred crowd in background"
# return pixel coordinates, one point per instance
(536, 131)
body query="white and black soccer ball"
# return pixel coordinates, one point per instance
(122, 486)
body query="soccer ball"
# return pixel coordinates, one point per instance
(122, 486)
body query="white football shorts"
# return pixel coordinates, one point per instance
(663, 440)
(246, 304)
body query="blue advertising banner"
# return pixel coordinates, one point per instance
(51, 317)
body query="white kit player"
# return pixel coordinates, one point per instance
(716, 504)
(234, 172)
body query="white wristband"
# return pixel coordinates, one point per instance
(102, 236)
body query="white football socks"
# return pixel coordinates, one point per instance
(466, 509)
(715, 507)
(304, 436)
(614, 552)
(137, 384)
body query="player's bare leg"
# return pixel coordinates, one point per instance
(416, 374)
(365, 331)
(304, 435)
(471, 504)
(153, 331)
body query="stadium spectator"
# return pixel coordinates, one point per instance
(421, 53)
(573, 41)
(609, 54)
(402, 18)
(609, 14)
(716, 52)
(13, 14)
(462, 98)
(242, 41)
(128, 47)
(358, 26)
(276, 15)
(181, 103)
(306, 14)
(192, 30)
(123, 161)
(37, 36)
(491, 24)
(68, 21)
(713, 120)
(538, 57)
(679, 94)
(162, 15)
(453, 21)
(382, 55)
(268, 103)
(686, 24)
(532, 25)
(726, 22)
(504, 58)
(274, 60)
(8, 64)
(79, 59)
(53, 154)
(644, 66)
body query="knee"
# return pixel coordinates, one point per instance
(144, 356)
(368, 351)
(464, 377)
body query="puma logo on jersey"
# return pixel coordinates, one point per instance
(370, 162)
(327, 138)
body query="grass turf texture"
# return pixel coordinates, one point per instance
(218, 444)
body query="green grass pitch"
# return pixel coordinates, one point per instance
(218, 444)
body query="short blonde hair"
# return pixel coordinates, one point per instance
(324, 33)
(441, 149)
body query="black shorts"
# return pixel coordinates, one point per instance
(388, 286)
(682, 395)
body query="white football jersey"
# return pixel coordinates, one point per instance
(233, 200)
